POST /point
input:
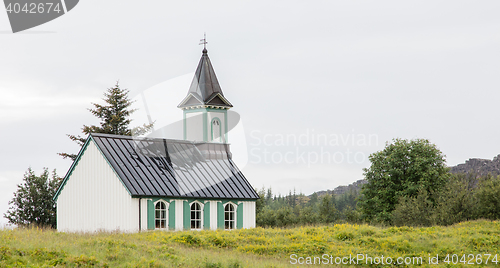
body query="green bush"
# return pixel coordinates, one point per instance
(457, 202)
(488, 196)
(351, 215)
(464, 197)
(414, 211)
(308, 216)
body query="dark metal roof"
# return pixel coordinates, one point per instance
(205, 88)
(174, 168)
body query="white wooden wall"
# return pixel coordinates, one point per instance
(194, 126)
(144, 214)
(94, 198)
(179, 215)
(248, 214)
(213, 214)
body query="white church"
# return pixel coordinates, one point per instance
(130, 184)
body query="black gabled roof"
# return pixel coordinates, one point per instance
(205, 88)
(174, 168)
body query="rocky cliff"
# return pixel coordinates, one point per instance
(355, 186)
(479, 166)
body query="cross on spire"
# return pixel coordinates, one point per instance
(204, 41)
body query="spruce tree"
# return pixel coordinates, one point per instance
(114, 118)
(327, 209)
(32, 203)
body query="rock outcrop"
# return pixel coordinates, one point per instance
(481, 167)
(355, 186)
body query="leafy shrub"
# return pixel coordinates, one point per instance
(456, 202)
(464, 197)
(488, 196)
(352, 215)
(277, 218)
(308, 216)
(414, 211)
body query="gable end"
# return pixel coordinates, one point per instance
(75, 163)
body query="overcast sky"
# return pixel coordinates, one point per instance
(319, 85)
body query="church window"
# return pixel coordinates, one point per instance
(229, 217)
(160, 215)
(196, 216)
(216, 130)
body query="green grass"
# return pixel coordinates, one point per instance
(257, 247)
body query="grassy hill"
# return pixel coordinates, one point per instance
(253, 248)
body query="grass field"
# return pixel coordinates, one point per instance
(257, 247)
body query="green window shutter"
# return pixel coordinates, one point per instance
(239, 216)
(171, 216)
(220, 215)
(205, 119)
(206, 216)
(187, 216)
(151, 215)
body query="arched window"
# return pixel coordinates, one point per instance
(196, 216)
(160, 215)
(229, 217)
(216, 130)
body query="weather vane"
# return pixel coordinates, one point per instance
(204, 41)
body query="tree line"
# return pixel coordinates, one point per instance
(298, 209)
(464, 197)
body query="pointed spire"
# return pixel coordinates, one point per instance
(205, 89)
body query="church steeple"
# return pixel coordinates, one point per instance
(205, 107)
(205, 91)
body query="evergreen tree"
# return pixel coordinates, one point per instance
(269, 196)
(260, 203)
(347, 200)
(327, 209)
(32, 203)
(292, 209)
(114, 118)
(314, 200)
